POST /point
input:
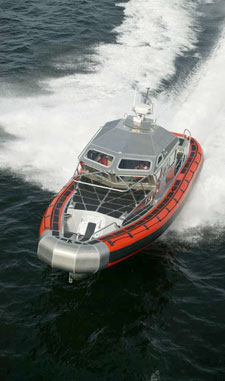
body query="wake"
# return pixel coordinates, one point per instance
(52, 129)
(200, 108)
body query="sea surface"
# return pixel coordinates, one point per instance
(66, 67)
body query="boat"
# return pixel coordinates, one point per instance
(131, 181)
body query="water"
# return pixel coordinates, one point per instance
(66, 68)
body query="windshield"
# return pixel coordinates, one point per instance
(100, 157)
(134, 164)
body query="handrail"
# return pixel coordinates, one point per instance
(105, 227)
(105, 187)
(99, 186)
(188, 137)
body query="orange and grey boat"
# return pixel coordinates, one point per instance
(132, 179)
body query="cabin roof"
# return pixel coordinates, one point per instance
(123, 137)
(126, 139)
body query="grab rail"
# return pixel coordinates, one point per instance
(105, 227)
(188, 137)
(111, 188)
(99, 186)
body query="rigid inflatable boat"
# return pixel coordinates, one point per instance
(131, 181)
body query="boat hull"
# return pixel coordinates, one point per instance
(106, 251)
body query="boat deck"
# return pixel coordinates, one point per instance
(106, 201)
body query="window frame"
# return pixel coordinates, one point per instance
(157, 161)
(102, 153)
(134, 169)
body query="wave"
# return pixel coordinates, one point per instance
(52, 129)
(200, 108)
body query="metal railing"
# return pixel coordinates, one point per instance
(128, 188)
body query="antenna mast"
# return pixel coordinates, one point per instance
(147, 99)
(143, 109)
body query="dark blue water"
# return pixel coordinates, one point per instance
(160, 315)
(35, 35)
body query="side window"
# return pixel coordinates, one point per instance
(159, 160)
(100, 157)
(134, 164)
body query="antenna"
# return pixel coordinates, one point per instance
(143, 109)
(147, 98)
(148, 101)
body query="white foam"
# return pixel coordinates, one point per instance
(52, 129)
(149, 40)
(200, 108)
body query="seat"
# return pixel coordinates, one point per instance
(89, 231)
